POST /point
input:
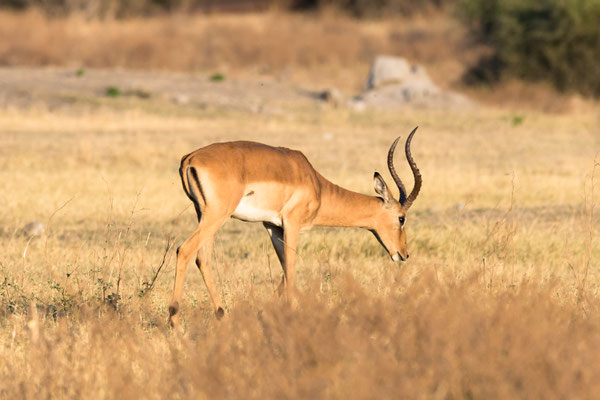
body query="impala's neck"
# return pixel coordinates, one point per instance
(345, 208)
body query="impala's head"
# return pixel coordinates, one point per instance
(392, 217)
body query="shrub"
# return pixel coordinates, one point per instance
(552, 40)
(113, 91)
(217, 77)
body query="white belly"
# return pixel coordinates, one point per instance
(250, 213)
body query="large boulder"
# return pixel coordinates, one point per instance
(387, 70)
(393, 82)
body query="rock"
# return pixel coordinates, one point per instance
(181, 99)
(332, 96)
(357, 104)
(387, 70)
(413, 93)
(33, 229)
(393, 83)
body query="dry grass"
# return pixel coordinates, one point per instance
(328, 49)
(499, 300)
(271, 43)
(422, 340)
(314, 51)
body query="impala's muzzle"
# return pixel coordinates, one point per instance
(398, 257)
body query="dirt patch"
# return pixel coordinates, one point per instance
(60, 87)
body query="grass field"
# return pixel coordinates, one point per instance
(499, 299)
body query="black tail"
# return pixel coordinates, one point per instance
(192, 187)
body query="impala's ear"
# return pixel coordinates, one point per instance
(381, 188)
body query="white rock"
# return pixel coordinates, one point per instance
(387, 70)
(393, 82)
(32, 229)
(181, 99)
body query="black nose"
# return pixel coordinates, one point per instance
(407, 256)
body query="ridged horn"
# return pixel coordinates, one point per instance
(406, 202)
(415, 170)
(394, 174)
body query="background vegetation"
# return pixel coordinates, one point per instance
(123, 8)
(554, 41)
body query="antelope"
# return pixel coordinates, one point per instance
(254, 182)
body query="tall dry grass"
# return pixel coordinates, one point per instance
(315, 51)
(424, 339)
(321, 49)
(499, 299)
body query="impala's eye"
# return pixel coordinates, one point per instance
(402, 219)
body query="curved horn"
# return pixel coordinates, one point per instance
(416, 173)
(393, 172)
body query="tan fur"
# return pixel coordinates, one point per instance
(278, 186)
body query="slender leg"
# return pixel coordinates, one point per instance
(276, 234)
(203, 262)
(205, 231)
(290, 238)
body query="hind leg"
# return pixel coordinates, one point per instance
(203, 234)
(203, 263)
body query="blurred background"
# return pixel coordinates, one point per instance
(534, 54)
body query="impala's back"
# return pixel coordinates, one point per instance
(250, 181)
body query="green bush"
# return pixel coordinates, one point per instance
(552, 40)
(217, 77)
(113, 91)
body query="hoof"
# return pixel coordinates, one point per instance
(173, 309)
(174, 318)
(220, 313)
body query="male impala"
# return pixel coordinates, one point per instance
(279, 187)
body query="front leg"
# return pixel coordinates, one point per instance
(291, 231)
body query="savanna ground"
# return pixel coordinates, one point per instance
(500, 297)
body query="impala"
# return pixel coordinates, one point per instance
(279, 187)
